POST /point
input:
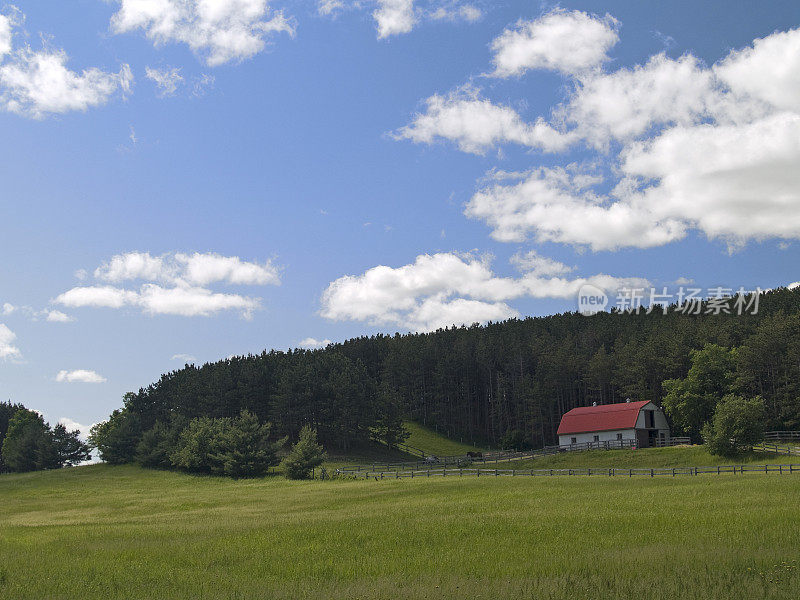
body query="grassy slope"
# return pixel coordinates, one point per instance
(434, 443)
(687, 456)
(123, 532)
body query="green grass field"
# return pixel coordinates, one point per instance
(434, 443)
(124, 532)
(679, 456)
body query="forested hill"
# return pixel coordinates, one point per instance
(479, 383)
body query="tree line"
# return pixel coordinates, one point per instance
(28, 443)
(489, 384)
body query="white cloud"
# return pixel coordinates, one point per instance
(444, 289)
(683, 147)
(135, 265)
(187, 269)
(154, 299)
(174, 284)
(7, 349)
(192, 301)
(330, 7)
(72, 425)
(630, 102)
(8, 308)
(475, 124)
(769, 70)
(56, 316)
(312, 343)
(166, 80)
(393, 17)
(455, 12)
(6, 34)
(558, 205)
(205, 268)
(794, 285)
(187, 358)
(541, 266)
(219, 31)
(570, 42)
(97, 297)
(38, 83)
(80, 376)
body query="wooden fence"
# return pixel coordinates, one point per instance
(608, 472)
(782, 436)
(498, 457)
(775, 448)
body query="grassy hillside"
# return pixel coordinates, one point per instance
(679, 456)
(435, 443)
(123, 532)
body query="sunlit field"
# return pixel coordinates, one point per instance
(122, 532)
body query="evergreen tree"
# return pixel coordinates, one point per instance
(245, 449)
(305, 455)
(27, 445)
(389, 428)
(68, 447)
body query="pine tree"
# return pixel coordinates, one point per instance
(305, 455)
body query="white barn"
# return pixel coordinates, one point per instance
(639, 423)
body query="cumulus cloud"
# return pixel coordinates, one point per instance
(7, 349)
(154, 299)
(559, 205)
(476, 124)
(393, 17)
(167, 80)
(570, 42)
(187, 269)
(174, 284)
(187, 358)
(80, 376)
(218, 32)
(312, 343)
(446, 289)
(38, 83)
(681, 147)
(7, 308)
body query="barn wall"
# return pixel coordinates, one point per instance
(605, 436)
(658, 416)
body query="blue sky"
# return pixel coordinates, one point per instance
(219, 177)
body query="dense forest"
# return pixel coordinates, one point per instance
(486, 383)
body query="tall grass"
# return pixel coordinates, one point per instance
(435, 443)
(123, 532)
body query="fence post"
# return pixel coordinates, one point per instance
(651, 472)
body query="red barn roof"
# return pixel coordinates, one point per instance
(601, 418)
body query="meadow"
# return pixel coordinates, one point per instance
(124, 532)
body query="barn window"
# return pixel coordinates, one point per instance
(619, 436)
(649, 419)
(597, 438)
(574, 440)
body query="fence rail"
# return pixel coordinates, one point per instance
(498, 457)
(782, 436)
(789, 469)
(775, 448)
